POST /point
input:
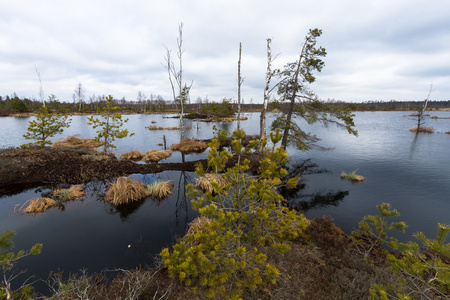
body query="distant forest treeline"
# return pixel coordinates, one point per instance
(10, 105)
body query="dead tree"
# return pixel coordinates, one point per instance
(240, 80)
(266, 94)
(421, 112)
(176, 78)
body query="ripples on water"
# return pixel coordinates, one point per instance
(410, 172)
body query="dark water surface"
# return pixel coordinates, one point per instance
(412, 172)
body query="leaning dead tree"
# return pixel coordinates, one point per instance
(421, 112)
(180, 90)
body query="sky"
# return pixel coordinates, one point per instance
(376, 50)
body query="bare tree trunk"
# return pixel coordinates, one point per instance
(422, 112)
(262, 123)
(239, 88)
(41, 90)
(180, 77)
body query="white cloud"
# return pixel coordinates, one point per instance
(377, 50)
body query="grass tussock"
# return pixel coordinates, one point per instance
(160, 189)
(75, 192)
(198, 224)
(156, 155)
(125, 190)
(40, 205)
(190, 146)
(205, 182)
(437, 117)
(154, 127)
(352, 176)
(75, 141)
(422, 129)
(132, 155)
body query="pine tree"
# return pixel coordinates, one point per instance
(45, 126)
(110, 126)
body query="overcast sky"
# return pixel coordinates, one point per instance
(377, 50)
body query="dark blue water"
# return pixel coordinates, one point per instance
(412, 172)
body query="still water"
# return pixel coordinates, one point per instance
(412, 172)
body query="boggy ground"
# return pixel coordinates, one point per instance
(25, 168)
(322, 264)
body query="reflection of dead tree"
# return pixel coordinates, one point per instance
(182, 202)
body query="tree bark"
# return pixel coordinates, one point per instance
(262, 122)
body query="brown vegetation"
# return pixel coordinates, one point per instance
(132, 155)
(204, 182)
(160, 189)
(125, 190)
(75, 141)
(75, 192)
(198, 224)
(436, 117)
(156, 155)
(154, 127)
(422, 129)
(190, 146)
(322, 264)
(40, 205)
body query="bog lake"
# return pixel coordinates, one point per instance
(412, 172)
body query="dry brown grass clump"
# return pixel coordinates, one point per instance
(75, 192)
(156, 155)
(198, 224)
(154, 127)
(204, 182)
(132, 155)
(352, 176)
(160, 189)
(423, 129)
(125, 190)
(75, 141)
(40, 205)
(189, 146)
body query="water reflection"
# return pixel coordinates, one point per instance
(318, 200)
(182, 203)
(125, 210)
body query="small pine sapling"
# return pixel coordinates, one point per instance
(45, 126)
(110, 126)
(372, 230)
(222, 258)
(8, 260)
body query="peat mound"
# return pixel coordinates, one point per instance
(25, 168)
